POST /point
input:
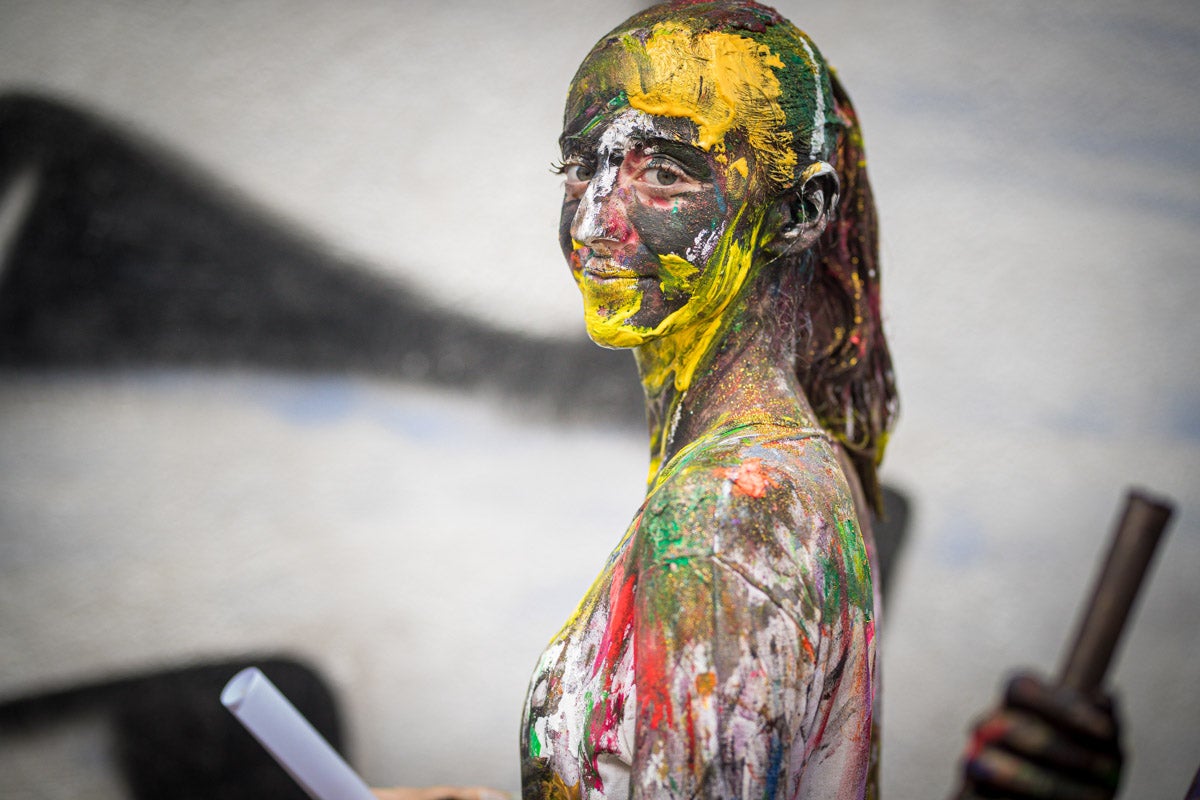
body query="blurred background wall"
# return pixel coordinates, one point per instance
(290, 361)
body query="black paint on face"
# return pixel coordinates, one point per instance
(643, 212)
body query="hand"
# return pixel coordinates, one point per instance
(1044, 742)
(440, 793)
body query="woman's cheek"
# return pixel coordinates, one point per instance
(679, 228)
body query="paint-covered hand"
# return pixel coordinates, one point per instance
(441, 793)
(1044, 742)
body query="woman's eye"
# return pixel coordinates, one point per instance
(579, 173)
(664, 177)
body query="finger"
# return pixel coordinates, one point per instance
(1063, 708)
(995, 772)
(1035, 739)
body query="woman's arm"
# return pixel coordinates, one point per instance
(736, 698)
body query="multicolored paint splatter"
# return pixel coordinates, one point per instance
(727, 647)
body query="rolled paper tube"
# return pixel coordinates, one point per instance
(291, 739)
(1115, 590)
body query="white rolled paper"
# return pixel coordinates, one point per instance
(291, 739)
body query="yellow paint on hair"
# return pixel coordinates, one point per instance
(718, 80)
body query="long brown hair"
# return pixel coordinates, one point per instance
(842, 357)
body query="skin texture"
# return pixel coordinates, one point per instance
(727, 647)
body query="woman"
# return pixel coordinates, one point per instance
(727, 648)
(718, 221)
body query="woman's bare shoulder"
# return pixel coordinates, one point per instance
(773, 512)
(768, 496)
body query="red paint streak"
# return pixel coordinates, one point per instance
(654, 696)
(609, 707)
(691, 735)
(620, 620)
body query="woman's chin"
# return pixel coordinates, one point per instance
(616, 334)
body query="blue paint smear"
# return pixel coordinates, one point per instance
(1092, 416)
(774, 767)
(418, 424)
(318, 402)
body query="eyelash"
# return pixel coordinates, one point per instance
(559, 167)
(668, 165)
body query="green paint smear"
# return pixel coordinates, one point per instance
(535, 744)
(848, 579)
(616, 102)
(663, 533)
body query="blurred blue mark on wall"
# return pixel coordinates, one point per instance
(1184, 415)
(1089, 415)
(311, 402)
(962, 540)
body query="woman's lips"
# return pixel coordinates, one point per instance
(603, 270)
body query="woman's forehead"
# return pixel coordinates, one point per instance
(717, 81)
(616, 128)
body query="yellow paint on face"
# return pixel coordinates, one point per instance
(607, 308)
(722, 82)
(718, 80)
(678, 276)
(680, 342)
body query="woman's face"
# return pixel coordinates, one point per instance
(643, 212)
(663, 165)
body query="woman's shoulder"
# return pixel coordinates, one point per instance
(763, 492)
(772, 510)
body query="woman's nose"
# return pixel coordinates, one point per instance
(601, 222)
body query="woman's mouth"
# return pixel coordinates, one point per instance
(604, 270)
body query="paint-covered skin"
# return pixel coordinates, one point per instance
(643, 212)
(727, 648)
(674, 143)
(1044, 742)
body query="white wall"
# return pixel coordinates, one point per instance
(1036, 169)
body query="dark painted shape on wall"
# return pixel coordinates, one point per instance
(126, 256)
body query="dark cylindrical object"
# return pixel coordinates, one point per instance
(1115, 590)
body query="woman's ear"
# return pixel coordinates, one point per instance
(806, 209)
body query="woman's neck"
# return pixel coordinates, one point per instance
(747, 376)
